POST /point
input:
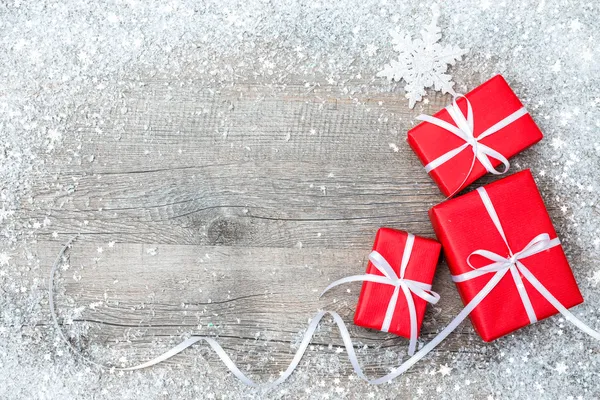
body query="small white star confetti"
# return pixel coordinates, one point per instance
(561, 368)
(445, 370)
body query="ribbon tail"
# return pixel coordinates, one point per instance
(412, 313)
(168, 354)
(523, 293)
(308, 335)
(557, 304)
(460, 187)
(389, 313)
(191, 341)
(483, 154)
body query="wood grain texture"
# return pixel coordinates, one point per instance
(231, 210)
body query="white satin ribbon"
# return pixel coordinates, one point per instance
(499, 267)
(308, 335)
(464, 130)
(408, 287)
(541, 242)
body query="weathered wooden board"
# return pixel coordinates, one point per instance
(230, 211)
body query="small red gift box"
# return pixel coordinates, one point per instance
(470, 233)
(500, 124)
(375, 297)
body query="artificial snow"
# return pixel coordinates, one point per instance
(57, 59)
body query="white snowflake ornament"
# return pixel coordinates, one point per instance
(422, 63)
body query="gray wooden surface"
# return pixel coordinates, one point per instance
(230, 211)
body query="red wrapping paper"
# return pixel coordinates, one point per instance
(492, 101)
(375, 297)
(463, 225)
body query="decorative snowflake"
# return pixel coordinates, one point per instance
(422, 63)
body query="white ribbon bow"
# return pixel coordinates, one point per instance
(408, 287)
(464, 130)
(500, 265)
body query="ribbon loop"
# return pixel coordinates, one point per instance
(464, 129)
(382, 265)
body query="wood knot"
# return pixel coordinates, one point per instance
(225, 231)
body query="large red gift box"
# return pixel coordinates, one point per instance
(491, 102)
(463, 225)
(375, 297)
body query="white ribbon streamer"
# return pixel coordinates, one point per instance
(310, 331)
(408, 287)
(499, 267)
(464, 130)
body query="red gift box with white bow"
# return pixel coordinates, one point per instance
(504, 256)
(474, 135)
(397, 284)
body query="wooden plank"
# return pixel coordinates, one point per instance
(270, 204)
(230, 211)
(136, 298)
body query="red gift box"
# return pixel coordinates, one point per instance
(375, 297)
(465, 225)
(491, 103)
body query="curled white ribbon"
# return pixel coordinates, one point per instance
(499, 267)
(308, 335)
(464, 130)
(408, 287)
